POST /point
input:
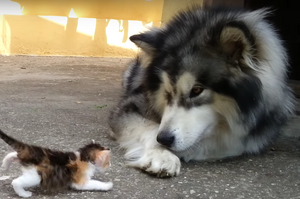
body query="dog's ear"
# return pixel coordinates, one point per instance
(236, 41)
(147, 41)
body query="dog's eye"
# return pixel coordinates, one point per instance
(196, 90)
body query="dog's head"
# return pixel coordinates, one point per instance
(200, 72)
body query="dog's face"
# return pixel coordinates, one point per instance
(187, 112)
(190, 109)
(194, 77)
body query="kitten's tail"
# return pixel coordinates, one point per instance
(14, 143)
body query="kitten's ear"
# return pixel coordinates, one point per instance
(102, 158)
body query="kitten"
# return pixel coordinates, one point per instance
(54, 169)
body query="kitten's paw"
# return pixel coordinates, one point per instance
(159, 162)
(25, 194)
(107, 186)
(4, 167)
(8, 159)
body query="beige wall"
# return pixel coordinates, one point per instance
(94, 28)
(42, 35)
(142, 10)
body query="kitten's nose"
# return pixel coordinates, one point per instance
(165, 138)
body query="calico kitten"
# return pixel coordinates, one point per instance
(54, 169)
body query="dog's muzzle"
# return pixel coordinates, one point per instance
(165, 138)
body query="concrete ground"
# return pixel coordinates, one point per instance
(63, 103)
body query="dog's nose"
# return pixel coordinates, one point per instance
(165, 138)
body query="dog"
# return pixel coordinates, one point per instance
(209, 84)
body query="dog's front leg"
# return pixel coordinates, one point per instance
(138, 137)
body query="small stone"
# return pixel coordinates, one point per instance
(192, 192)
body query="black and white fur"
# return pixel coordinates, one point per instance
(210, 84)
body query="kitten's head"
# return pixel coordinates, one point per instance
(95, 154)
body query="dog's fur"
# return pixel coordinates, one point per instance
(210, 84)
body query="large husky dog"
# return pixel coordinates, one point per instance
(210, 84)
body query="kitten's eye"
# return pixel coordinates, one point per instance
(196, 90)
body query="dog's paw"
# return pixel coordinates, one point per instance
(159, 162)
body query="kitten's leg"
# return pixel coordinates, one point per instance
(93, 185)
(8, 159)
(29, 178)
